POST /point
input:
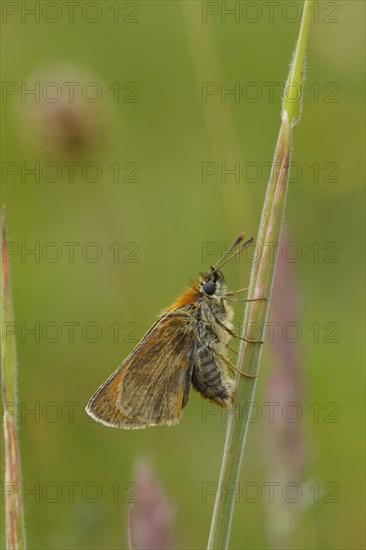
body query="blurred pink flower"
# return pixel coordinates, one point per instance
(285, 385)
(286, 448)
(150, 521)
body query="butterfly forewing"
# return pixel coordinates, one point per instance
(151, 386)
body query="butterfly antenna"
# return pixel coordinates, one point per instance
(234, 245)
(225, 261)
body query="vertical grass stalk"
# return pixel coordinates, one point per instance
(261, 281)
(14, 515)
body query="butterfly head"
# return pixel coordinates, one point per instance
(212, 283)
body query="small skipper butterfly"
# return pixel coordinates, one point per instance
(187, 345)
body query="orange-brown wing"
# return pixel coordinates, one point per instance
(151, 386)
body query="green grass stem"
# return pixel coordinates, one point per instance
(14, 513)
(261, 281)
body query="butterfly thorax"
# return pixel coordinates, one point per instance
(214, 309)
(204, 302)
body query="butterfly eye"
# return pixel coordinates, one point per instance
(209, 287)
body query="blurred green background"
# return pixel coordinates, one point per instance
(158, 126)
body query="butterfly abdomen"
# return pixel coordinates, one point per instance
(208, 378)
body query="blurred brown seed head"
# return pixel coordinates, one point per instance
(66, 113)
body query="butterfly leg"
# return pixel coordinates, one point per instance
(232, 333)
(232, 292)
(244, 299)
(231, 366)
(231, 348)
